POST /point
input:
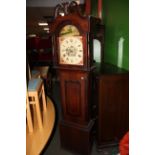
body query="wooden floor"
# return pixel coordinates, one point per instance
(36, 141)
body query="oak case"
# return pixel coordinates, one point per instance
(76, 125)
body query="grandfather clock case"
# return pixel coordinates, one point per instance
(72, 36)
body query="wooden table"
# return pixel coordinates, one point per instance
(36, 141)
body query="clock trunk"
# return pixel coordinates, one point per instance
(75, 91)
(76, 126)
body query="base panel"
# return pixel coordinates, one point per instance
(75, 138)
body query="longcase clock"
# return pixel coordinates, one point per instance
(72, 37)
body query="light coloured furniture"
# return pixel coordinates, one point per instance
(29, 115)
(45, 75)
(35, 74)
(35, 92)
(36, 141)
(43, 70)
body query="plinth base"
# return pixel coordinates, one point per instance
(76, 138)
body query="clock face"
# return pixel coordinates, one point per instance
(71, 50)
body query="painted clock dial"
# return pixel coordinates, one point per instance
(69, 30)
(71, 50)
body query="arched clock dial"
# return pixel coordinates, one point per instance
(71, 50)
(69, 30)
